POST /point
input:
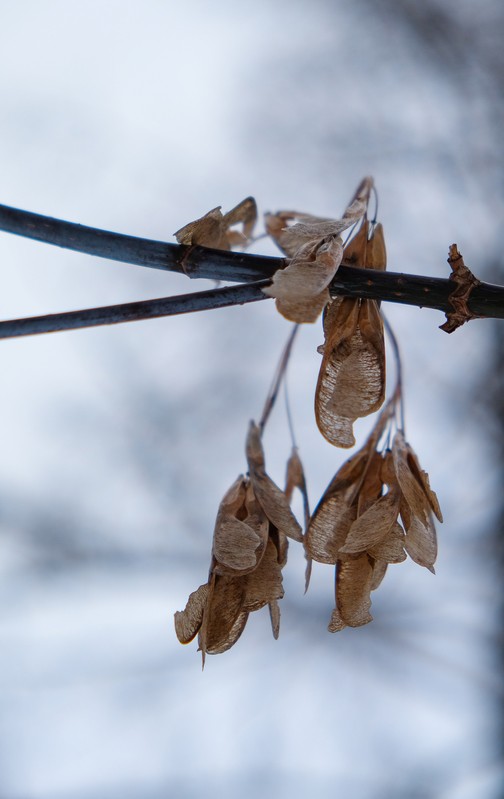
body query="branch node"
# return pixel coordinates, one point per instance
(465, 282)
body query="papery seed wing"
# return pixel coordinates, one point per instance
(353, 586)
(391, 548)
(412, 484)
(379, 570)
(275, 618)
(271, 498)
(245, 213)
(301, 288)
(295, 478)
(239, 537)
(188, 621)
(423, 480)
(351, 381)
(264, 584)
(302, 311)
(277, 226)
(336, 623)
(340, 326)
(373, 526)
(212, 229)
(329, 528)
(372, 484)
(421, 538)
(224, 618)
(207, 231)
(337, 508)
(376, 255)
(359, 202)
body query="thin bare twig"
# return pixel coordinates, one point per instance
(201, 262)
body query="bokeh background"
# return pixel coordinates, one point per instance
(118, 443)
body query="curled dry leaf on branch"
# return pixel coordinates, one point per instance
(351, 382)
(213, 229)
(249, 550)
(356, 524)
(315, 249)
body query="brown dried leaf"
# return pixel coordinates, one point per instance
(271, 498)
(188, 621)
(212, 229)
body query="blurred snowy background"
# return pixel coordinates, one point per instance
(118, 443)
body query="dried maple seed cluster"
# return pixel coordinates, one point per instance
(379, 506)
(249, 550)
(356, 524)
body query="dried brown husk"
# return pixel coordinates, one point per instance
(351, 382)
(213, 229)
(418, 502)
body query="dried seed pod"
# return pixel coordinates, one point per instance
(337, 510)
(391, 548)
(418, 501)
(212, 229)
(224, 617)
(301, 288)
(295, 478)
(374, 526)
(353, 587)
(241, 531)
(355, 486)
(188, 621)
(315, 248)
(351, 382)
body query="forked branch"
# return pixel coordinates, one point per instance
(252, 271)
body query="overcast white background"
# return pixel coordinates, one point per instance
(118, 443)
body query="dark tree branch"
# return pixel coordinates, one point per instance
(200, 262)
(134, 311)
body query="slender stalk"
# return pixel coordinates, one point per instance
(277, 380)
(134, 311)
